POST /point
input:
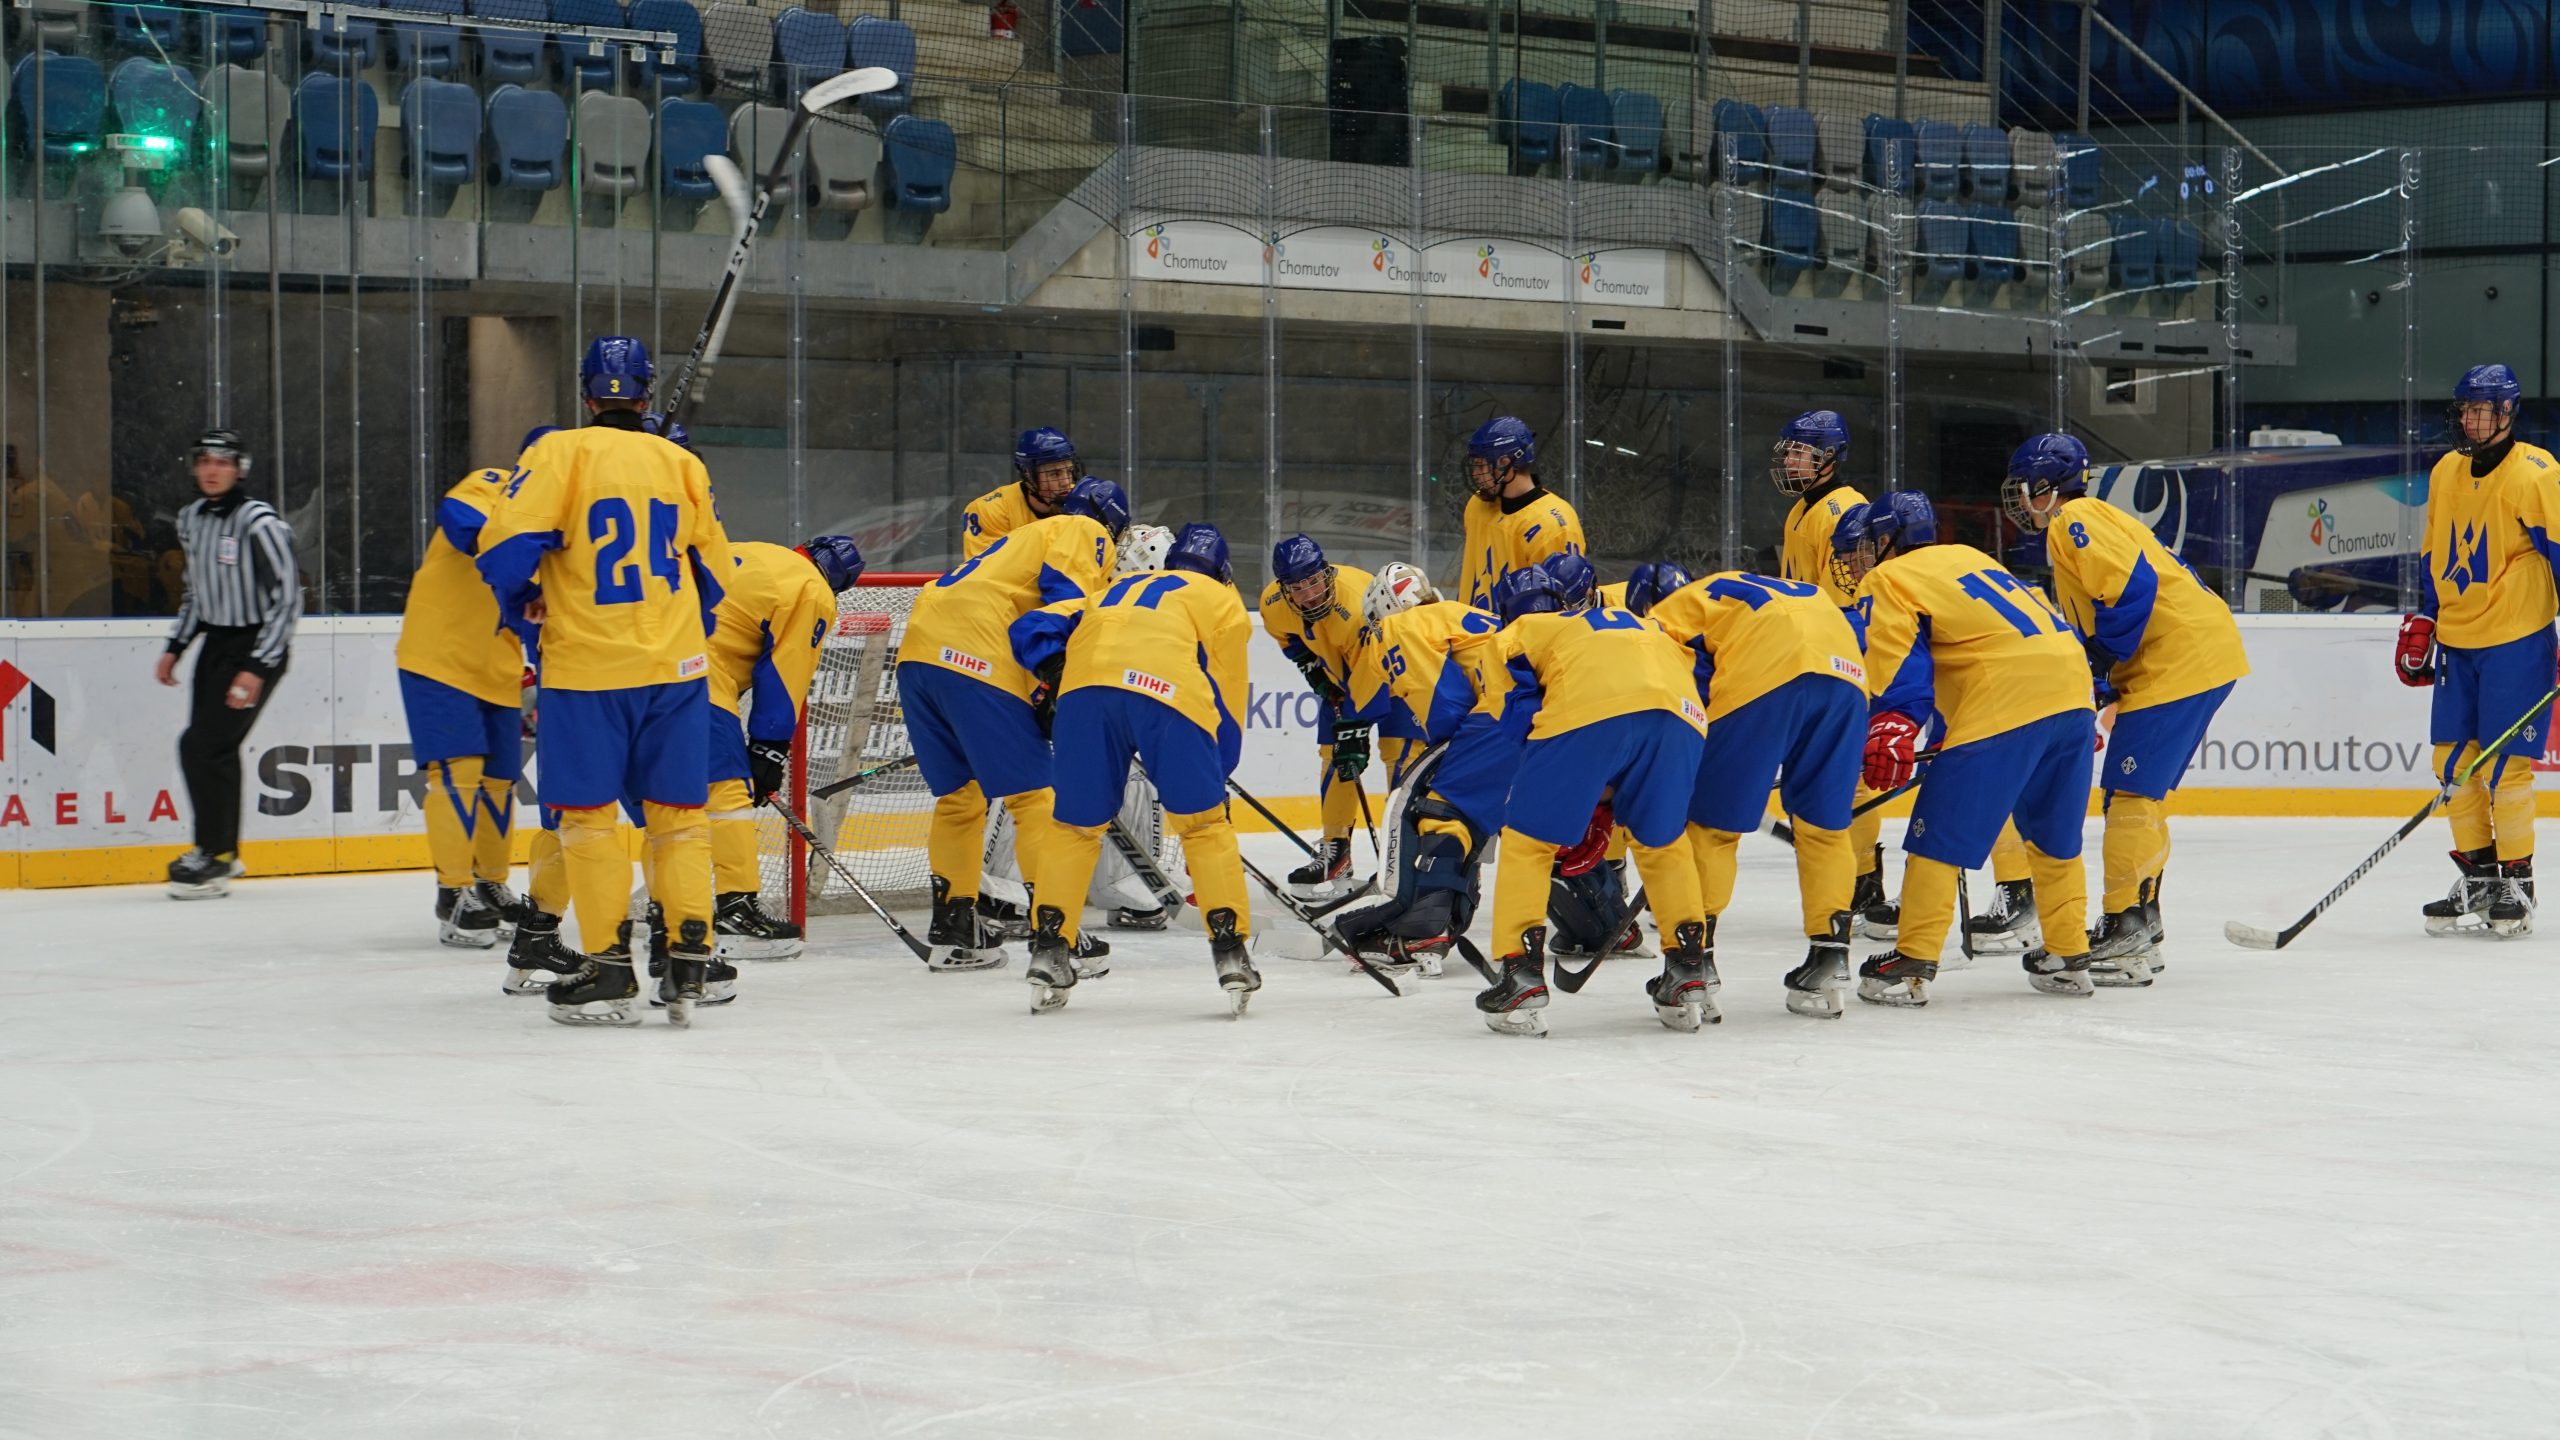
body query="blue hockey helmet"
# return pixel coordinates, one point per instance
(616, 367)
(1294, 562)
(1201, 550)
(1852, 553)
(1529, 590)
(2495, 385)
(536, 433)
(1901, 520)
(1034, 449)
(837, 558)
(1574, 576)
(1809, 451)
(2050, 464)
(1506, 445)
(1652, 581)
(1098, 499)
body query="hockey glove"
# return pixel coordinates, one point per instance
(1320, 680)
(2415, 657)
(1893, 749)
(1044, 690)
(1588, 851)
(1350, 751)
(767, 764)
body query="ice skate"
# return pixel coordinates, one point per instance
(1515, 1002)
(1684, 994)
(2121, 954)
(2060, 974)
(1003, 920)
(469, 924)
(1878, 917)
(198, 876)
(2465, 908)
(1896, 979)
(1126, 918)
(1325, 876)
(957, 939)
(1234, 963)
(536, 960)
(2151, 917)
(743, 930)
(2008, 926)
(603, 981)
(510, 907)
(1052, 969)
(688, 971)
(447, 896)
(1419, 939)
(2511, 907)
(1813, 988)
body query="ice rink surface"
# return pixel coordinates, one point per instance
(280, 1166)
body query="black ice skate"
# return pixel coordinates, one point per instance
(2511, 909)
(537, 960)
(2151, 916)
(2465, 908)
(198, 876)
(604, 981)
(1325, 876)
(1813, 988)
(1513, 1005)
(447, 896)
(1878, 917)
(1234, 963)
(957, 939)
(743, 930)
(1092, 956)
(2008, 926)
(1052, 970)
(2120, 950)
(1896, 979)
(1003, 920)
(469, 924)
(1128, 918)
(2059, 974)
(688, 972)
(1684, 994)
(511, 907)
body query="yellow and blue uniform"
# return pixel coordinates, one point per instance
(1613, 713)
(965, 680)
(2173, 653)
(1786, 693)
(1439, 671)
(1954, 637)
(1331, 640)
(1505, 535)
(766, 636)
(1156, 671)
(461, 685)
(993, 516)
(2492, 544)
(614, 530)
(1804, 552)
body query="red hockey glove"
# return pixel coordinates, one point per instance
(2415, 657)
(1587, 852)
(1893, 749)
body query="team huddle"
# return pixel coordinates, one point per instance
(1607, 744)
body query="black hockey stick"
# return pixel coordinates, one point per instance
(1570, 980)
(1369, 822)
(834, 788)
(694, 376)
(1331, 937)
(1276, 822)
(1779, 828)
(2250, 937)
(810, 838)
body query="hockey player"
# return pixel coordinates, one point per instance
(2482, 637)
(607, 538)
(1045, 471)
(1309, 608)
(1781, 673)
(977, 713)
(1614, 719)
(1651, 581)
(2161, 644)
(461, 686)
(1511, 521)
(1955, 642)
(1155, 671)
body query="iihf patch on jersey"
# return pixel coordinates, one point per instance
(1161, 688)
(1848, 669)
(2127, 766)
(963, 660)
(1690, 711)
(693, 666)
(226, 551)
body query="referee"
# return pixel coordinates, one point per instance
(243, 597)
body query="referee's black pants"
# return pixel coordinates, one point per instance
(209, 751)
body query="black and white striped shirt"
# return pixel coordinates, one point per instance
(240, 572)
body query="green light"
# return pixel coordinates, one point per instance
(81, 147)
(158, 142)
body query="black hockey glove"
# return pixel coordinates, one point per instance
(1350, 751)
(767, 765)
(1320, 680)
(1044, 690)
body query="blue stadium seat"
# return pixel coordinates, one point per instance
(440, 120)
(1995, 242)
(2079, 156)
(890, 44)
(682, 75)
(2181, 249)
(1890, 161)
(1988, 176)
(1637, 116)
(1946, 246)
(150, 29)
(1940, 147)
(812, 46)
(919, 156)
(1748, 140)
(239, 35)
(154, 99)
(528, 138)
(342, 44)
(1791, 148)
(75, 101)
(511, 56)
(333, 125)
(578, 68)
(1585, 112)
(429, 50)
(1526, 115)
(687, 131)
(1794, 235)
(2137, 253)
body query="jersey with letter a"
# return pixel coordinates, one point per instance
(1333, 636)
(1580, 669)
(1045, 571)
(2489, 552)
(1429, 668)
(1176, 637)
(1949, 629)
(1805, 554)
(617, 528)
(991, 517)
(1754, 633)
(449, 630)
(766, 635)
(2121, 587)
(1507, 535)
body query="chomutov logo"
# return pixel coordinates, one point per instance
(13, 681)
(2321, 524)
(1487, 262)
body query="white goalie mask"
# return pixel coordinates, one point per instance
(1142, 549)
(1398, 588)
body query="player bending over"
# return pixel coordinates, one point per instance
(1045, 471)
(1650, 582)
(1511, 520)
(1309, 607)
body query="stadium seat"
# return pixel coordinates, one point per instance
(75, 102)
(1585, 113)
(1889, 161)
(843, 162)
(341, 44)
(683, 74)
(1840, 149)
(688, 130)
(333, 125)
(429, 50)
(528, 138)
(150, 29)
(2035, 243)
(918, 157)
(1750, 221)
(150, 98)
(255, 106)
(2086, 242)
(1742, 141)
(2137, 253)
(755, 140)
(511, 57)
(812, 45)
(1994, 244)
(737, 47)
(2078, 157)
(1793, 145)
(60, 24)
(237, 35)
(1526, 116)
(1946, 244)
(440, 121)
(1844, 233)
(613, 145)
(2181, 249)
(2031, 164)
(1939, 147)
(1636, 118)
(890, 44)
(579, 68)
(1794, 235)
(1987, 176)
(1891, 229)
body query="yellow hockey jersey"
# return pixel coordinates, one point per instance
(765, 637)
(1426, 669)
(1805, 552)
(615, 530)
(1594, 665)
(1177, 637)
(1333, 636)
(2120, 587)
(993, 516)
(2490, 548)
(1612, 596)
(1506, 535)
(1949, 630)
(995, 616)
(449, 630)
(1754, 633)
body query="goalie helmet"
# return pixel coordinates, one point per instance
(1142, 548)
(1397, 587)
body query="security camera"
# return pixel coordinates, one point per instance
(130, 221)
(209, 234)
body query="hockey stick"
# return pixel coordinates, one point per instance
(1276, 822)
(1325, 932)
(2250, 937)
(695, 375)
(810, 838)
(1369, 823)
(1779, 829)
(834, 788)
(1571, 981)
